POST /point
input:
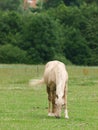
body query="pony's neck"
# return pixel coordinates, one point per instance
(60, 89)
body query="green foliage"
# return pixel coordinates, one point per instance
(63, 59)
(51, 3)
(10, 28)
(76, 49)
(63, 32)
(44, 36)
(79, 2)
(12, 54)
(9, 4)
(73, 2)
(90, 32)
(80, 27)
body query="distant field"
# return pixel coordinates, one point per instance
(25, 108)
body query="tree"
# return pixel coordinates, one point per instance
(9, 4)
(73, 2)
(79, 2)
(51, 3)
(12, 54)
(75, 48)
(90, 31)
(43, 37)
(10, 28)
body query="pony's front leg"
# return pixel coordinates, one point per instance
(53, 109)
(66, 114)
(53, 103)
(50, 112)
(65, 96)
(50, 101)
(49, 109)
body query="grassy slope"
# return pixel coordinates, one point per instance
(25, 108)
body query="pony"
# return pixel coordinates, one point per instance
(56, 80)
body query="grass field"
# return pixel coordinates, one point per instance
(25, 108)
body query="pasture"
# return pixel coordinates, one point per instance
(25, 108)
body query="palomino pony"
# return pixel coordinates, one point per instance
(56, 78)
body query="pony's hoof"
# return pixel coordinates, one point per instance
(51, 114)
(66, 117)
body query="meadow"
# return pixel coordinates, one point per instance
(25, 108)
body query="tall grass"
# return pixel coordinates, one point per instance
(25, 108)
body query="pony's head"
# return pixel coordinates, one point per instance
(59, 102)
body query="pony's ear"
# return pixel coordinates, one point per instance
(57, 96)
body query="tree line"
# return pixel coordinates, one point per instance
(62, 30)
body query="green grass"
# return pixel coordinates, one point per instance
(25, 108)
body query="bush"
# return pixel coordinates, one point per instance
(76, 49)
(63, 31)
(80, 25)
(12, 54)
(9, 4)
(43, 38)
(10, 28)
(63, 59)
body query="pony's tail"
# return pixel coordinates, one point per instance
(35, 82)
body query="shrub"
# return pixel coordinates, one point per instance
(62, 58)
(12, 54)
(43, 37)
(76, 49)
